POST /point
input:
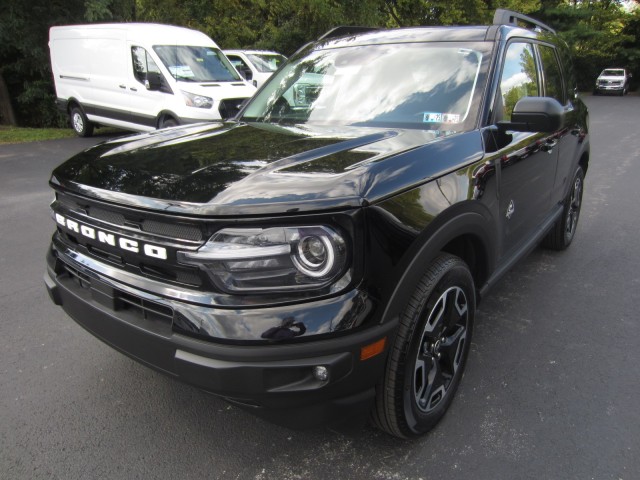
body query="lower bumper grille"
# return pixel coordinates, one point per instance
(117, 299)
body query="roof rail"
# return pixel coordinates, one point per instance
(507, 17)
(344, 30)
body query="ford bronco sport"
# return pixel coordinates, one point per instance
(320, 257)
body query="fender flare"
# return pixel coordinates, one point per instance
(476, 222)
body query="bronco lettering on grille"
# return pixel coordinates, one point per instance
(124, 243)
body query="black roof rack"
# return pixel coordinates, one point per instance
(345, 30)
(507, 17)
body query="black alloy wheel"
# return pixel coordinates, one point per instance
(428, 357)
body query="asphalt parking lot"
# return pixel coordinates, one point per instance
(550, 392)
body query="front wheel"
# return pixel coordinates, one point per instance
(561, 234)
(80, 123)
(428, 356)
(168, 122)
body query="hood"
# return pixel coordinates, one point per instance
(249, 169)
(218, 90)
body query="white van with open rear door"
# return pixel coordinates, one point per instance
(142, 76)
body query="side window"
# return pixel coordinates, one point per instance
(241, 66)
(552, 75)
(519, 79)
(143, 64)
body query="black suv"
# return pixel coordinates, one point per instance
(320, 258)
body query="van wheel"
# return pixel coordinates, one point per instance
(428, 356)
(168, 122)
(80, 123)
(561, 234)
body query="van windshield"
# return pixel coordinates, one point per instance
(265, 62)
(196, 64)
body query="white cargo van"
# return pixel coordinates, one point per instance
(255, 65)
(142, 76)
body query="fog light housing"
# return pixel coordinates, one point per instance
(321, 373)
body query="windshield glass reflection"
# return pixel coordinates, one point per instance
(196, 64)
(401, 85)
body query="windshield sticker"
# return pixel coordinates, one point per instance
(182, 71)
(432, 117)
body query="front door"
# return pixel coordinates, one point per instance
(527, 161)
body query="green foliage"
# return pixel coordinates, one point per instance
(595, 32)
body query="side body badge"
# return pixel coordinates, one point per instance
(510, 209)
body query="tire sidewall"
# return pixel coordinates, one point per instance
(567, 207)
(418, 421)
(86, 126)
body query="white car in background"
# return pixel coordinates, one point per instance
(256, 66)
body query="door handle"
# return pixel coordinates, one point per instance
(133, 89)
(549, 145)
(123, 86)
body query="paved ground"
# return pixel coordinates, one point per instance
(550, 392)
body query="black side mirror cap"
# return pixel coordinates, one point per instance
(535, 114)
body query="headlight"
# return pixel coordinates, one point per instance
(277, 259)
(198, 101)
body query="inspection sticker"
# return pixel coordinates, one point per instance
(431, 117)
(434, 117)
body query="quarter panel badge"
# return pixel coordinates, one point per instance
(510, 209)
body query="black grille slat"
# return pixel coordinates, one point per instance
(230, 107)
(107, 216)
(178, 230)
(173, 230)
(98, 230)
(146, 309)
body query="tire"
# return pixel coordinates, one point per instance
(80, 123)
(428, 356)
(564, 230)
(168, 122)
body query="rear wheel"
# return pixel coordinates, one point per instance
(561, 234)
(80, 123)
(429, 353)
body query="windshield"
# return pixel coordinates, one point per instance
(196, 64)
(266, 62)
(430, 86)
(613, 72)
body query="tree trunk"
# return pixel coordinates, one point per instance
(7, 116)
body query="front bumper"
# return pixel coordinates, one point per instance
(273, 380)
(609, 88)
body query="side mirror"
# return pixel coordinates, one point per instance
(535, 114)
(153, 81)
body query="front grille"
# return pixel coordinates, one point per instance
(174, 229)
(119, 300)
(95, 221)
(230, 107)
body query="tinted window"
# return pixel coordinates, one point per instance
(519, 79)
(552, 74)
